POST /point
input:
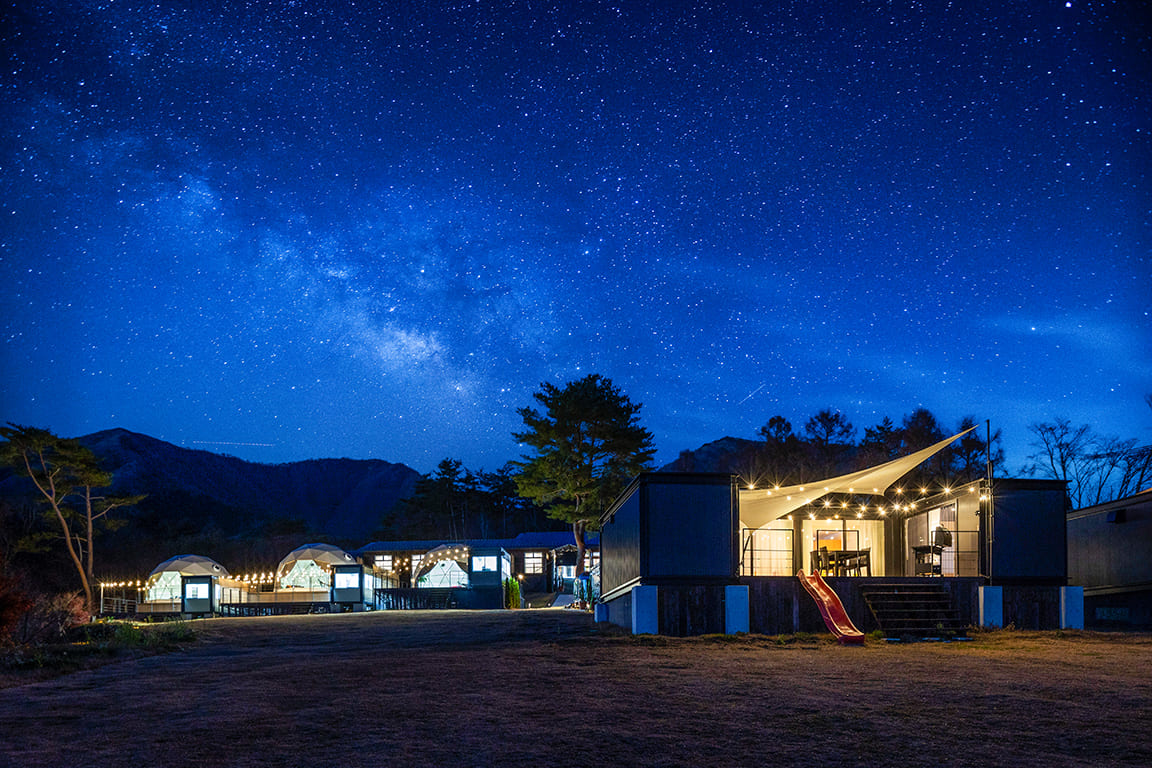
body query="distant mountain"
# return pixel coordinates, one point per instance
(335, 497)
(728, 454)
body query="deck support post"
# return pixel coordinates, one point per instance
(1071, 607)
(645, 610)
(991, 606)
(735, 609)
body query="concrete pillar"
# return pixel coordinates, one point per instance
(600, 612)
(735, 609)
(645, 611)
(991, 606)
(1071, 607)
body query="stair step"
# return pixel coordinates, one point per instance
(913, 610)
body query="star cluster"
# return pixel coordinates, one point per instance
(294, 229)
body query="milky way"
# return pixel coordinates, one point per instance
(287, 230)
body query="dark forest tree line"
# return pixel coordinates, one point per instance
(827, 446)
(453, 503)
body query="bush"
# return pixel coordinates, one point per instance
(13, 605)
(511, 593)
(49, 617)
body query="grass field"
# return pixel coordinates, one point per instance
(547, 688)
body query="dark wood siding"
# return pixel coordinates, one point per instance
(689, 529)
(620, 544)
(1029, 544)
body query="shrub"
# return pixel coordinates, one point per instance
(13, 605)
(511, 593)
(49, 617)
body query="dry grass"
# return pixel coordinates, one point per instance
(546, 688)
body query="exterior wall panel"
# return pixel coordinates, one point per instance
(689, 530)
(620, 544)
(1029, 544)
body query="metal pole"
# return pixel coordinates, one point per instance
(991, 511)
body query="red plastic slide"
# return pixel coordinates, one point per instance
(831, 609)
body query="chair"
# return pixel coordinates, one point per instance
(862, 561)
(824, 564)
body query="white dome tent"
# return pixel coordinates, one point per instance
(310, 567)
(165, 580)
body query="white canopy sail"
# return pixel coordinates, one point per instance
(760, 507)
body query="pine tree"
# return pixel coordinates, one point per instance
(587, 445)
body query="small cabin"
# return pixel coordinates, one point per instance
(1110, 554)
(695, 553)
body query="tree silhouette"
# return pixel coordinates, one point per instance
(69, 478)
(587, 443)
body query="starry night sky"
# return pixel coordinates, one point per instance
(289, 230)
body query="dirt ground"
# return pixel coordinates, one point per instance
(546, 688)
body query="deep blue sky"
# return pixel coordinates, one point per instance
(287, 230)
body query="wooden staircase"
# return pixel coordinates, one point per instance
(913, 610)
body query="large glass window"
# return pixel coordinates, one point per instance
(164, 586)
(851, 535)
(384, 562)
(959, 554)
(446, 573)
(306, 574)
(347, 580)
(483, 563)
(533, 562)
(768, 551)
(195, 591)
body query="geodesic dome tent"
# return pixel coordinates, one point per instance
(165, 580)
(310, 566)
(442, 566)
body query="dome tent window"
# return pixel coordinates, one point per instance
(482, 563)
(346, 580)
(196, 591)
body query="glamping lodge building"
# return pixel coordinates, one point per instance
(689, 553)
(322, 578)
(1109, 547)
